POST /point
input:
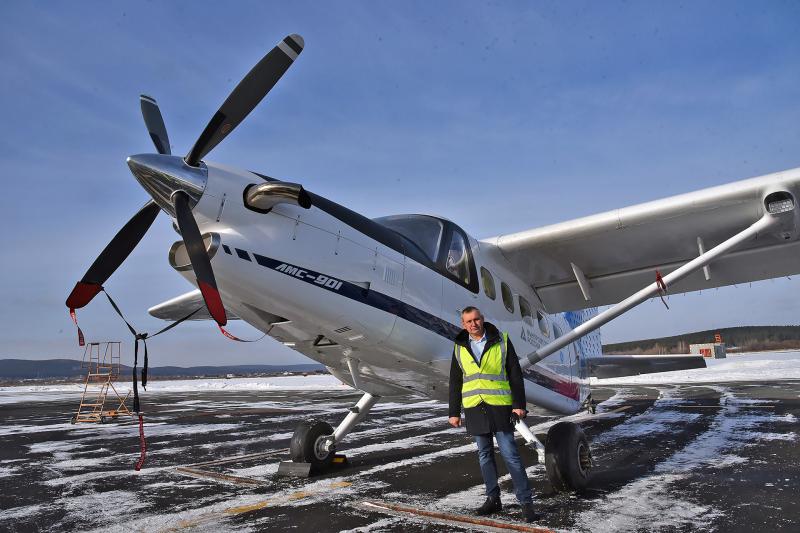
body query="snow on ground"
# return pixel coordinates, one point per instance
(40, 393)
(757, 366)
(762, 366)
(652, 500)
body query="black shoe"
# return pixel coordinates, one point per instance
(491, 505)
(530, 513)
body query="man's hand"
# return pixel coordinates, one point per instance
(455, 421)
(521, 413)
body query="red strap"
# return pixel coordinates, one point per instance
(74, 316)
(142, 445)
(662, 288)
(233, 337)
(660, 281)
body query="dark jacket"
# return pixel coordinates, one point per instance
(486, 418)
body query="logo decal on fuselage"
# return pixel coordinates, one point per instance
(319, 279)
(531, 338)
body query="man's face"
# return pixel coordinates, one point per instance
(473, 323)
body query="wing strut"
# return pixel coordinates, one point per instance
(651, 290)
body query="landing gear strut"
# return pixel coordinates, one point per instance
(314, 441)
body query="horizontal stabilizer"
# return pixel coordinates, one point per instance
(618, 366)
(182, 305)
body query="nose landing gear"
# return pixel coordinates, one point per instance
(310, 444)
(313, 445)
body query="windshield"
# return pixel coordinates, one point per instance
(422, 230)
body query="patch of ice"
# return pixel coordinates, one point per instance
(757, 435)
(648, 424)
(16, 429)
(9, 471)
(80, 479)
(53, 446)
(18, 513)
(725, 461)
(379, 525)
(103, 506)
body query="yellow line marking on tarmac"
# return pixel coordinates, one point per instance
(247, 508)
(298, 495)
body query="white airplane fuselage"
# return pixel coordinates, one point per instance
(350, 293)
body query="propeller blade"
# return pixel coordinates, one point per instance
(112, 256)
(196, 250)
(246, 96)
(155, 124)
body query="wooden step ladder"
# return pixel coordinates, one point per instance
(102, 372)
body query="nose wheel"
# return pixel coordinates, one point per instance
(312, 443)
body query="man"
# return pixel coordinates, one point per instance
(485, 377)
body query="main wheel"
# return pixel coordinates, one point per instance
(567, 458)
(308, 444)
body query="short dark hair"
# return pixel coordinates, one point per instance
(469, 309)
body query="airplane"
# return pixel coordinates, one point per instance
(378, 301)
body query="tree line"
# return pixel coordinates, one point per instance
(741, 338)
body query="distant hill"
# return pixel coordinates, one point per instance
(66, 368)
(744, 338)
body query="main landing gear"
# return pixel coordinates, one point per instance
(313, 445)
(566, 455)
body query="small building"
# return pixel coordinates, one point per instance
(711, 350)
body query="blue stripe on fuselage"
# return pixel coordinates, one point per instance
(387, 304)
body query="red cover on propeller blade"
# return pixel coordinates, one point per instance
(82, 294)
(213, 302)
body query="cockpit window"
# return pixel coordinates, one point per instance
(424, 231)
(457, 259)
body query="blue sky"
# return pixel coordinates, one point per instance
(485, 113)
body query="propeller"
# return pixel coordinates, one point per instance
(196, 250)
(112, 256)
(160, 176)
(155, 124)
(246, 96)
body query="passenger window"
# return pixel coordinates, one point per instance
(543, 327)
(525, 311)
(488, 284)
(508, 298)
(457, 262)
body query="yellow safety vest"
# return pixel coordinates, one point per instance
(488, 382)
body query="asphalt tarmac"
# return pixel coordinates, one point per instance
(718, 457)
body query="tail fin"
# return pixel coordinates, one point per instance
(589, 345)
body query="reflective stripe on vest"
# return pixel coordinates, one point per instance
(486, 382)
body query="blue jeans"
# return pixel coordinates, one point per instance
(508, 449)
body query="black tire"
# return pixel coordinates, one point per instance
(567, 457)
(305, 444)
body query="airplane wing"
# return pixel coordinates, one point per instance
(617, 366)
(182, 305)
(618, 252)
